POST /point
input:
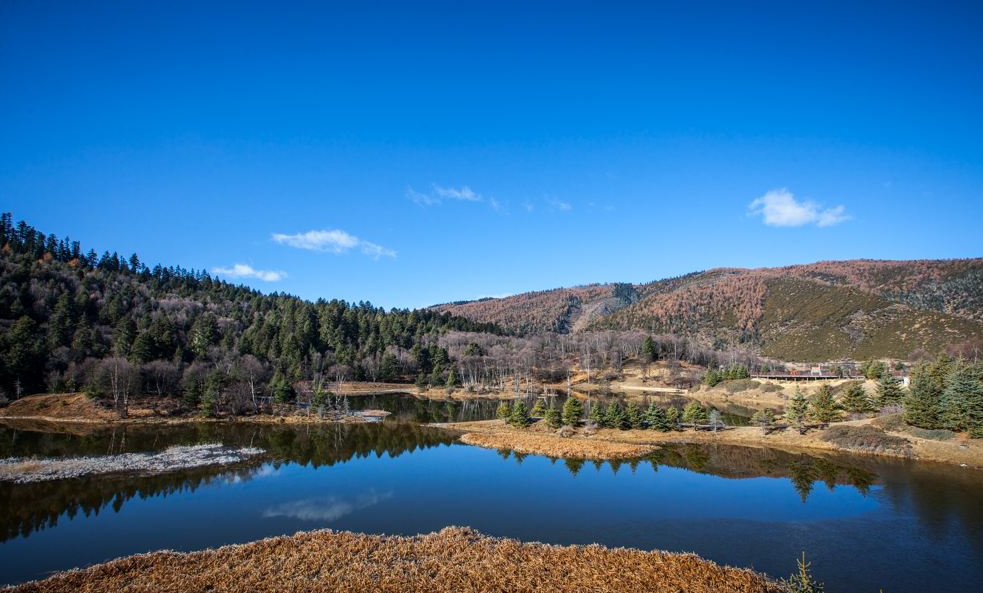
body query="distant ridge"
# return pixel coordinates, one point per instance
(819, 311)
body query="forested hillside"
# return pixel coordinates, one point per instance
(72, 320)
(820, 311)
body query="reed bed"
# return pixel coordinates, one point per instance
(454, 560)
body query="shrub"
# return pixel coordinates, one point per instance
(739, 385)
(938, 434)
(764, 417)
(801, 581)
(867, 438)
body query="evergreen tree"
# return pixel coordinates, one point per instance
(672, 417)
(856, 400)
(921, 404)
(889, 391)
(962, 401)
(615, 417)
(822, 406)
(572, 411)
(282, 391)
(634, 416)
(764, 417)
(597, 414)
(539, 408)
(797, 407)
(648, 351)
(553, 418)
(519, 417)
(504, 410)
(655, 418)
(452, 380)
(694, 413)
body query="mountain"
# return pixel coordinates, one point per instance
(71, 320)
(821, 311)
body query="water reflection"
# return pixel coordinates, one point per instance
(856, 516)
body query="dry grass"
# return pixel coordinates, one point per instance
(868, 439)
(454, 560)
(554, 446)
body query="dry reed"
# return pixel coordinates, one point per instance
(457, 560)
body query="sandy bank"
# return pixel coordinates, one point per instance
(22, 470)
(606, 443)
(455, 560)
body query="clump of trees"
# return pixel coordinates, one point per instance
(715, 376)
(946, 394)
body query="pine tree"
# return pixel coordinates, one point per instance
(962, 402)
(921, 404)
(822, 406)
(539, 408)
(634, 416)
(802, 582)
(797, 407)
(672, 417)
(615, 417)
(694, 413)
(856, 399)
(889, 391)
(519, 417)
(648, 351)
(655, 418)
(553, 418)
(504, 411)
(572, 411)
(597, 414)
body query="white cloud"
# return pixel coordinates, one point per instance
(327, 509)
(438, 194)
(332, 241)
(464, 193)
(560, 205)
(246, 271)
(779, 208)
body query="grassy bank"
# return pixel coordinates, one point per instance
(454, 559)
(76, 408)
(867, 436)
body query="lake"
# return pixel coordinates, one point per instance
(866, 524)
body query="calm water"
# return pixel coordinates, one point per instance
(864, 524)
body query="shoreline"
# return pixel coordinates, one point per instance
(608, 443)
(454, 559)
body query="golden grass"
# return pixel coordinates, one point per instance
(555, 446)
(457, 560)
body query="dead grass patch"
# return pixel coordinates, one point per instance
(868, 439)
(552, 445)
(455, 560)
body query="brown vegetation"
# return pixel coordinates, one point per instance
(454, 559)
(555, 445)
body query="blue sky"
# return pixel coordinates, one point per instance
(416, 153)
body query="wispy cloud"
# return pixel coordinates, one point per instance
(247, 271)
(560, 205)
(780, 208)
(439, 194)
(329, 508)
(333, 241)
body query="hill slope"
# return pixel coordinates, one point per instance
(817, 311)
